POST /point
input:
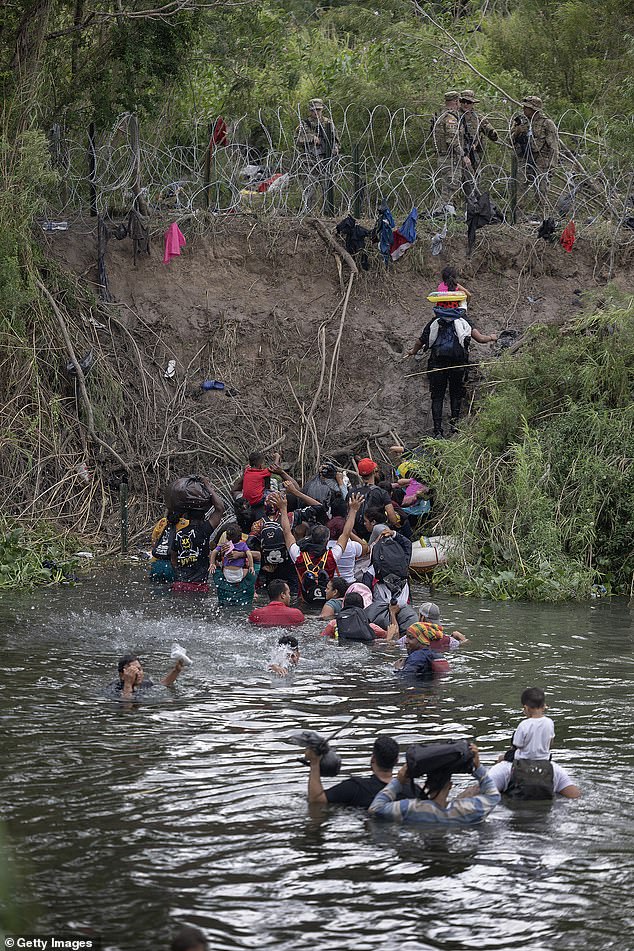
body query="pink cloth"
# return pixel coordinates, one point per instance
(442, 288)
(363, 590)
(174, 241)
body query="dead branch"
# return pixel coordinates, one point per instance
(333, 244)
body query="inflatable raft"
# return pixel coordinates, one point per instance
(428, 553)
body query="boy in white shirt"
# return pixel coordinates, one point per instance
(534, 736)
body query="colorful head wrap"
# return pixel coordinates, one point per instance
(424, 632)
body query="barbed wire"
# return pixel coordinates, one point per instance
(383, 155)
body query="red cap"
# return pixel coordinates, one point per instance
(366, 467)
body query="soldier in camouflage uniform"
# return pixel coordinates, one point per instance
(536, 143)
(318, 143)
(472, 129)
(450, 158)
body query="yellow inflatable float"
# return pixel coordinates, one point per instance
(446, 297)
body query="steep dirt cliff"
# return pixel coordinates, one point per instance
(258, 306)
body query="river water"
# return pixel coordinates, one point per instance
(191, 808)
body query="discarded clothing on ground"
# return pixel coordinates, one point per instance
(567, 239)
(354, 236)
(437, 240)
(547, 229)
(174, 241)
(394, 242)
(480, 212)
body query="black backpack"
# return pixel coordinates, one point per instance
(391, 557)
(272, 544)
(165, 543)
(446, 346)
(353, 625)
(315, 578)
(531, 779)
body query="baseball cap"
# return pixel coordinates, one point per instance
(366, 467)
(429, 610)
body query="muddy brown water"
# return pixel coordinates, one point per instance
(190, 808)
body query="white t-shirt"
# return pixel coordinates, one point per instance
(336, 549)
(346, 562)
(501, 776)
(532, 738)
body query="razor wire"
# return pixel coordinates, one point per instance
(385, 155)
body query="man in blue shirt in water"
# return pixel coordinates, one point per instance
(433, 809)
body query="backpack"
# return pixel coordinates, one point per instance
(446, 346)
(165, 543)
(359, 526)
(323, 490)
(272, 545)
(531, 779)
(391, 557)
(315, 578)
(353, 625)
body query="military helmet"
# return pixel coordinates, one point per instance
(316, 104)
(452, 94)
(533, 102)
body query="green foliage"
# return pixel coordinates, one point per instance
(27, 178)
(144, 58)
(539, 488)
(22, 555)
(560, 49)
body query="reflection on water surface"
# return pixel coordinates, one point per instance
(192, 808)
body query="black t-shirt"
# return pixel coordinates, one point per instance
(356, 791)
(192, 551)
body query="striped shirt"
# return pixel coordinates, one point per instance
(460, 812)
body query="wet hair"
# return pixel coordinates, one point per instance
(320, 534)
(287, 640)
(385, 752)
(276, 588)
(189, 939)
(234, 532)
(353, 600)
(125, 660)
(450, 277)
(196, 515)
(533, 697)
(398, 494)
(321, 515)
(256, 459)
(173, 518)
(340, 585)
(339, 507)
(375, 515)
(435, 782)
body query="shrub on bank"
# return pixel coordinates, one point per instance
(40, 556)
